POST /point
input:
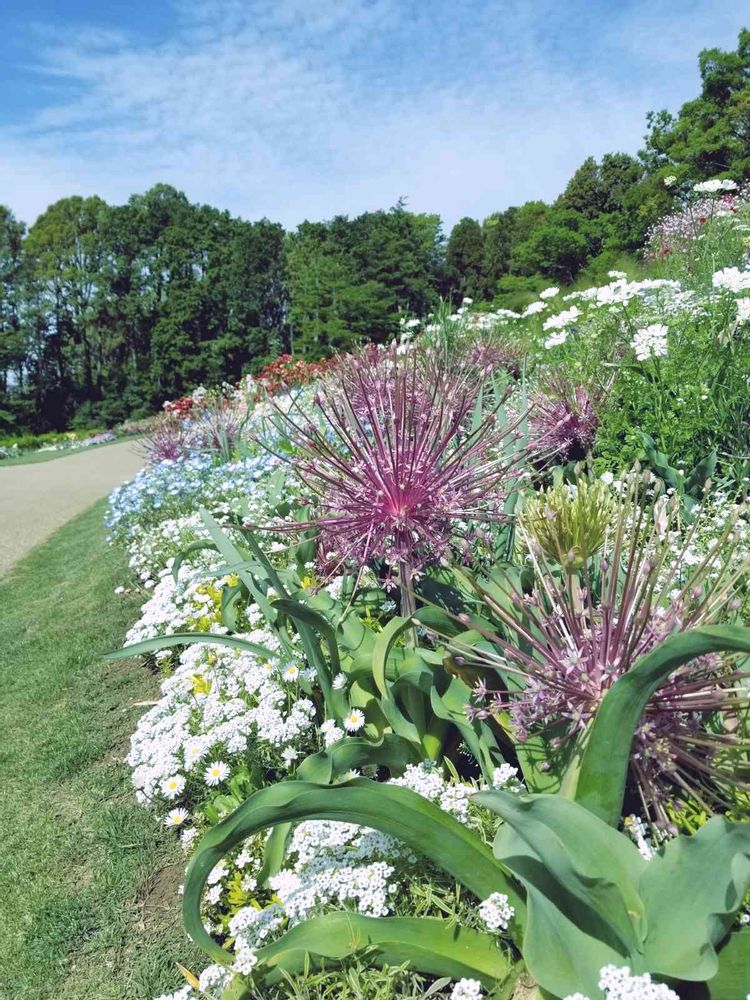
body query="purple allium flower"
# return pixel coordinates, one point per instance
(171, 438)
(579, 631)
(562, 421)
(396, 461)
(219, 428)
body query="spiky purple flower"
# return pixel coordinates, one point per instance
(219, 427)
(562, 421)
(577, 632)
(396, 461)
(170, 438)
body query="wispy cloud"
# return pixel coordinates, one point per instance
(296, 110)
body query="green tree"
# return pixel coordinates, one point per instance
(465, 259)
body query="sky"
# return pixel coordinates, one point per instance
(304, 109)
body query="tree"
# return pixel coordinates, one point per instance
(465, 259)
(12, 346)
(708, 136)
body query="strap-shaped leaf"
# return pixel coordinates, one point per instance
(392, 752)
(187, 639)
(604, 766)
(196, 546)
(398, 811)
(383, 645)
(429, 944)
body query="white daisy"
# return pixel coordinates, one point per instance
(354, 721)
(176, 817)
(216, 772)
(172, 786)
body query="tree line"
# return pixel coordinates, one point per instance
(107, 310)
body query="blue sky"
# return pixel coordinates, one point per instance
(296, 109)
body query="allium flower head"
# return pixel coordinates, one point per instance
(396, 461)
(219, 428)
(569, 522)
(583, 628)
(170, 439)
(562, 420)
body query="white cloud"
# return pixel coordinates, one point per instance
(296, 110)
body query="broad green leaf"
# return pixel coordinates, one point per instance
(692, 890)
(398, 811)
(429, 944)
(352, 752)
(733, 978)
(587, 868)
(604, 767)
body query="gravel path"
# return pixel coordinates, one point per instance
(37, 499)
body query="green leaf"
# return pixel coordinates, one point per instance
(429, 945)
(692, 890)
(352, 752)
(604, 765)
(180, 558)
(733, 978)
(383, 645)
(187, 639)
(581, 877)
(420, 824)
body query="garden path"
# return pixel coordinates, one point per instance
(37, 499)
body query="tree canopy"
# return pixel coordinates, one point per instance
(105, 311)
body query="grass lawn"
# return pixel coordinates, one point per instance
(33, 457)
(88, 881)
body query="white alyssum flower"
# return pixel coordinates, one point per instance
(214, 978)
(216, 772)
(467, 989)
(618, 984)
(650, 341)
(549, 293)
(354, 721)
(176, 817)
(496, 912)
(339, 682)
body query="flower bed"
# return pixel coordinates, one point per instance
(453, 703)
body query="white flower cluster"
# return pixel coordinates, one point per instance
(650, 342)
(563, 319)
(732, 279)
(617, 983)
(190, 601)
(496, 912)
(467, 989)
(218, 703)
(333, 864)
(714, 186)
(743, 310)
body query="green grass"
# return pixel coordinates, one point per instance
(33, 457)
(89, 908)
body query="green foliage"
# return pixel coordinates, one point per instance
(594, 901)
